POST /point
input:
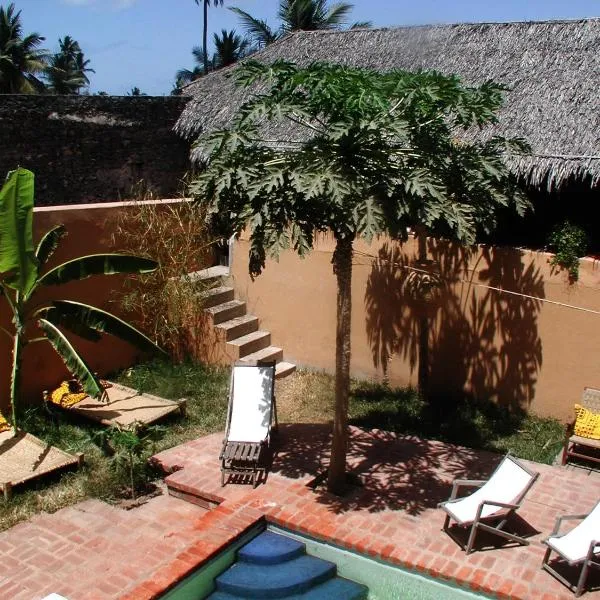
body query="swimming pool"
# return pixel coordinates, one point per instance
(286, 570)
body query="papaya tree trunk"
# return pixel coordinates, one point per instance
(342, 266)
(423, 373)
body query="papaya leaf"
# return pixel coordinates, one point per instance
(89, 321)
(48, 244)
(97, 264)
(17, 258)
(75, 363)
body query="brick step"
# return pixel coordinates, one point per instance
(271, 353)
(237, 327)
(283, 369)
(249, 343)
(226, 311)
(207, 275)
(217, 295)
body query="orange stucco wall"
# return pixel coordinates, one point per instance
(518, 351)
(89, 231)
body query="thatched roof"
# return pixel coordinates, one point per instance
(552, 69)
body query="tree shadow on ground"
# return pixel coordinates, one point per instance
(481, 340)
(397, 472)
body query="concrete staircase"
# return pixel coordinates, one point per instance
(276, 566)
(237, 330)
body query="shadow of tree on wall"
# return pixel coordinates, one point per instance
(481, 341)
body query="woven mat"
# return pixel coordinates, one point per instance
(24, 457)
(125, 407)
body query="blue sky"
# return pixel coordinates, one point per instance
(144, 42)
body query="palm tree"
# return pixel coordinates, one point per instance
(66, 71)
(185, 76)
(205, 5)
(295, 15)
(21, 58)
(229, 48)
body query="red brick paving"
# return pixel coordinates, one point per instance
(93, 550)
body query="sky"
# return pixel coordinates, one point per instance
(144, 42)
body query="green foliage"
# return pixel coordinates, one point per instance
(363, 153)
(297, 15)
(67, 69)
(21, 59)
(569, 242)
(21, 274)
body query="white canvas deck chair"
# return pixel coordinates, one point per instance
(249, 418)
(580, 546)
(489, 507)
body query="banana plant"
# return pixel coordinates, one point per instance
(24, 270)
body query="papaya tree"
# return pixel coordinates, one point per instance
(358, 153)
(24, 271)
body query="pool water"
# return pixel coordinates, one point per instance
(277, 563)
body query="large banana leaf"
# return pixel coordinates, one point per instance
(97, 264)
(16, 238)
(49, 243)
(87, 321)
(76, 365)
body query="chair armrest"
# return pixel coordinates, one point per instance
(591, 549)
(559, 521)
(499, 504)
(458, 483)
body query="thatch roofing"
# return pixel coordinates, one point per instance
(552, 69)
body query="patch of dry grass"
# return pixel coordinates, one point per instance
(305, 397)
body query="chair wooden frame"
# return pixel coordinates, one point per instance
(590, 400)
(245, 458)
(590, 560)
(483, 523)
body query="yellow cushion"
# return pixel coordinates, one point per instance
(4, 426)
(587, 423)
(63, 396)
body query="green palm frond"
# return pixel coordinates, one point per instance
(97, 264)
(73, 361)
(88, 321)
(48, 244)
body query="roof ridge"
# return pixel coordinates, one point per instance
(431, 25)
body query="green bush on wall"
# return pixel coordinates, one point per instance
(569, 242)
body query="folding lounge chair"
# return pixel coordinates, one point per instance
(494, 502)
(580, 546)
(251, 411)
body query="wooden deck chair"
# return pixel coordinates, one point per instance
(249, 418)
(580, 546)
(494, 502)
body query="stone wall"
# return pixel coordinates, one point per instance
(93, 148)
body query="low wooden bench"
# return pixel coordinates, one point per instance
(575, 445)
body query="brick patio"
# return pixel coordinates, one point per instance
(93, 550)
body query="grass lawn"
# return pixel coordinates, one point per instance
(304, 397)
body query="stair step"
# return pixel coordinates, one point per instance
(217, 295)
(271, 353)
(226, 311)
(237, 327)
(283, 369)
(206, 275)
(295, 576)
(270, 548)
(249, 343)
